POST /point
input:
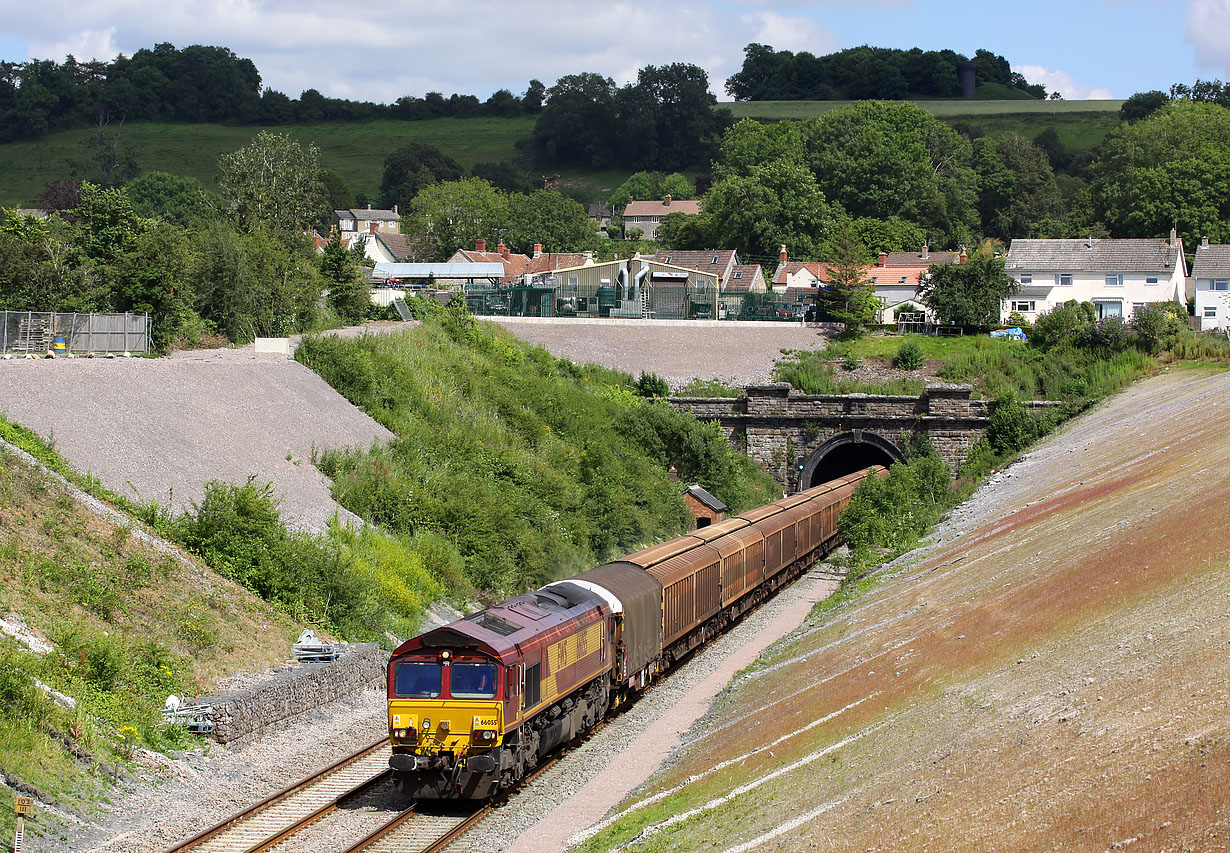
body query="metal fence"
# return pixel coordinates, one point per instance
(38, 332)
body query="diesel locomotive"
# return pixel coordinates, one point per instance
(475, 705)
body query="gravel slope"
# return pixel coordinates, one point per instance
(159, 429)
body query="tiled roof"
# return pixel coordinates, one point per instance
(597, 209)
(910, 259)
(661, 208)
(397, 244)
(1097, 255)
(742, 277)
(368, 214)
(551, 261)
(817, 269)
(1212, 261)
(515, 265)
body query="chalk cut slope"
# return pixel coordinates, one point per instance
(1054, 673)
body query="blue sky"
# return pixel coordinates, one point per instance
(1096, 48)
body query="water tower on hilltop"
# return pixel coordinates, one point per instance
(967, 73)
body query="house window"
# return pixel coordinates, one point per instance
(1114, 281)
(1063, 279)
(1108, 309)
(901, 280)
(1025, 307)
(1150, 279)
(700, 286)
(873, 279)
(714, 261)
(1210, 311)
(739, 274)
(573, 281)
(1136, 306)
(1220, 284)
(1027, 278)
(667, 260)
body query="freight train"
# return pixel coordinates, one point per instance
(474, 706)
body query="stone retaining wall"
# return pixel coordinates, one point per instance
(243, 714)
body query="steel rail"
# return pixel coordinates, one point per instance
(235, 821)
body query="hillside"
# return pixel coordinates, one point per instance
(357, 150)
(1051, 673)
(1080, 124)
(127, 624)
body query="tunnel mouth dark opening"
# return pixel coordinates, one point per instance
(848, 457)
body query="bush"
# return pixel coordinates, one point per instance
(892, 513)
(1153, 326)
(1010, 429)
(1109, 333)
(909, 356)
(652, 385)
(851, 362)
(1066, 323)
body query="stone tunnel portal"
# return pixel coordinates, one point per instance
(845, 454)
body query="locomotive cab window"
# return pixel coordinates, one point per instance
(417, 680)
(472, 681)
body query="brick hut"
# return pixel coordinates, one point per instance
(706, 509)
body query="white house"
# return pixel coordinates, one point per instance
(1212, 274)
(1116, 275)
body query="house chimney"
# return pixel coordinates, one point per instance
(1174, 238)
(883, 258)
(782, 257)
(369, 205)
(589, 257)
(1089, 242)
(924, 251)
(538, 250)
(503, 250)
(1204, 241)
(395, 208)
(371, 227)
(480, 245)
(963, 257)
(666, 202)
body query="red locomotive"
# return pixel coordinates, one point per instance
(475, 705)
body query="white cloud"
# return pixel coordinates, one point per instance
(1208, 32)
(82, 45)
(794, 33)
(1063, 83)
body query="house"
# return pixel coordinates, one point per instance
(600, 212)
(895, 276)
(1211, 272)
(733, 277)
(359, 221)
(1116, 275)
(517, 265)
(705, 508)
(648, 215)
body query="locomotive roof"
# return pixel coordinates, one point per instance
(499, 629)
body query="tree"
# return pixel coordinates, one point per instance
(879, 159)
(845, 293)
(107, 223)
(579, 124)
(1172, 168)
(506, 176)
(893, 234)
(1017, 186)
(150, 275)
(337, 195)
(103, 157)
(1142, 105)
(349, 293)
(274, 184)
(968, 294)
(448, 216)
(411, 168)
(173, 199)
(549, 218)
(532, 98)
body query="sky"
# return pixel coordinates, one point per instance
(382, 51)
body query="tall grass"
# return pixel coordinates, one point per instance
(531, 467)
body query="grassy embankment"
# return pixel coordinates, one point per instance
(357, 151)
(531, 466)
(129, 626)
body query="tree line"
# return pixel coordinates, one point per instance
(869, 73)
(201, 84)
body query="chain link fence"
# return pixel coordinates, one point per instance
(38, 332)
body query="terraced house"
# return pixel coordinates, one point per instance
(1117, 275)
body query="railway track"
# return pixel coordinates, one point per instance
(275, 818)
(415, 831)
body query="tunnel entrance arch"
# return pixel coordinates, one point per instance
(846, 453)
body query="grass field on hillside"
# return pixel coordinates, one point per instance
(355, 150)
(1080, 124)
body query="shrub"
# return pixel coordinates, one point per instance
(851, 362)
(1010, 429)
(1110, 333)
(652, 385)
(1066, 323)
(892, 513)
(909, 356)
(1153, 326)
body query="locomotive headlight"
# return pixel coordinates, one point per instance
(484, 735)
(426, 723)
